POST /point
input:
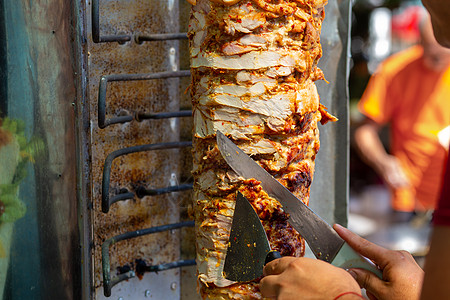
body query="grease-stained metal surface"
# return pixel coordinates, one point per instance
(151, 169)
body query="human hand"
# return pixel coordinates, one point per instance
(402, 277)
(292, 277)
(392, 173)
(225, 2)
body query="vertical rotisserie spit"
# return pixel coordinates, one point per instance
(253, 66)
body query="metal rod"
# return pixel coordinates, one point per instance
(160, 37)
(106, 201)
(120, 197)
(165, 115)
(95, 17)
(108, 283)
(103, 86)
(141, 267)
(138, 38)
(142, 192)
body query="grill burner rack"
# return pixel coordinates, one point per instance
(103, 86)
(141, 191)
(141, 268)
(138, 38)
(109, 282)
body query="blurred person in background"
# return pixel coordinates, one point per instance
(410, 91)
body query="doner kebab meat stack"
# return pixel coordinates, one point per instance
(253, 66)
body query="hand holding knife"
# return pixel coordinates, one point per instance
(323, 240)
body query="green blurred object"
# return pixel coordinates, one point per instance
(15, 156)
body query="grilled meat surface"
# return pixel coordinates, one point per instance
(253, 65)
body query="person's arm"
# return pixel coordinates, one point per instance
(436, 283)
(290, 277)
(372, 151)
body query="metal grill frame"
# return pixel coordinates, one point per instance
(141, 191)
(109, 282)
(103, 88)
(125, 194)
(138, 38)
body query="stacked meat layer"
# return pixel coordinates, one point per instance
(253, 65)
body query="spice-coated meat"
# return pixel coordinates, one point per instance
(253, 66)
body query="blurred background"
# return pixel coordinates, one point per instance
(379, 29)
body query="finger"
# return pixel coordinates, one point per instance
(277, 266)
(370, 250)
(269, 287)
(368, 280)
(193, 2)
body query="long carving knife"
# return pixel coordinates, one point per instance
(323, 240)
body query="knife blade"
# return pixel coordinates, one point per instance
(323, 240)
(248, 247)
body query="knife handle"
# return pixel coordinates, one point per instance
(272, 255)
(347, 258)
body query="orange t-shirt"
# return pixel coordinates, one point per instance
(415, 100)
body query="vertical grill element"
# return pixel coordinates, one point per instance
(109, 282)
(140, 191)
(103, 87)
(138, 38)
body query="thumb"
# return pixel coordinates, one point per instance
(368, 280)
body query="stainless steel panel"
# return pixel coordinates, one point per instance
(329, 190)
